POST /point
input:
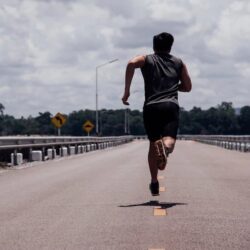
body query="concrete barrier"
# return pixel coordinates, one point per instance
(19, 159)
(88, 148)
(36, 155)
(51, 153)
(72, 150)
(63, 151)
(232, 142)
(80, 149)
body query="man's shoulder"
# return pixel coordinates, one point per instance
(165, 56)
(149, 58)
(176, 59)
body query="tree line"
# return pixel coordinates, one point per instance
(222, 119)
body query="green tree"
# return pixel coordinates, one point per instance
(7, 124)
(31, 126)
(244, 120)
(75, 121)
(19, 126)
(1, 118)
(136, 123)
(112, 122)
(228, 122)
(184, 122)
(45, 126)
(215, 120)
(1, 109)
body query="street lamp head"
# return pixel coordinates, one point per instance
(101, 65)
(113, 60)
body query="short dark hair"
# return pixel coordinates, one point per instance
(163, 42)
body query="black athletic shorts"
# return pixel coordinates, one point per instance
(161, 119)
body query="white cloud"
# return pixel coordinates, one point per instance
(169, 11)
(50, 48)
(232, 36)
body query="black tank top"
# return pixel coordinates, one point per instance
(161, 73)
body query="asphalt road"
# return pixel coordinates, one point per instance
(100, 200)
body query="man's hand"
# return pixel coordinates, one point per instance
(125, 98)
(136, 62)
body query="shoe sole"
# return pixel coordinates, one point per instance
(162, 157)
(155, 194)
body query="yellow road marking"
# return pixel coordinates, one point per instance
(158, 211)
(162, 189)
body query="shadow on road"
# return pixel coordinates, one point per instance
(163, 205)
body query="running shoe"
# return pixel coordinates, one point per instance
(161, 154)
(154, 188)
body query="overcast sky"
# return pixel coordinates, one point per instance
(49, 50)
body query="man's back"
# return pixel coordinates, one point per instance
(161, 73)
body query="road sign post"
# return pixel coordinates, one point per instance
(58, 121)
(88, 127)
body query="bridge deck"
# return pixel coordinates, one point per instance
(100, 200)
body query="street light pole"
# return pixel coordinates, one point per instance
(128, 126)
(125, 122)
(96, 103)
(96, 100)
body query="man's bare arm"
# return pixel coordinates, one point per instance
(186, 84)
(136, 62)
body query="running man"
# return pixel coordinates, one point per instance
(164, 75)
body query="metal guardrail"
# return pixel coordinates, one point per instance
(19, 142)
(140, 137)
(25, 144)
(14, 145)
(232, 142)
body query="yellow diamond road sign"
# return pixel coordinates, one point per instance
(88, 126)
(58, 120)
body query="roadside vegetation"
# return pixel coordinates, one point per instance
(223, 119)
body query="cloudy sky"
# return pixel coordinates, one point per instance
(49, 50)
